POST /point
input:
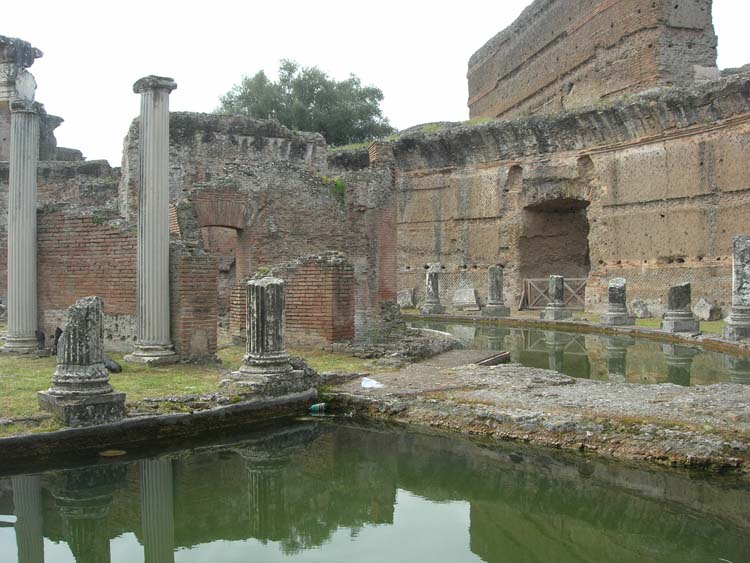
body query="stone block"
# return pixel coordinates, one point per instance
(687, 325)
(496, 311)
(640, 309)
(704, 310)
(84, 411)
(465, 299)
(555, 314)
(432, 309)
(407, 298)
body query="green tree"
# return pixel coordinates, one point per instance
(307, 99)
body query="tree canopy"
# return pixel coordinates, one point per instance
(307, 99)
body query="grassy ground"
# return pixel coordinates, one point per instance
(21, 377)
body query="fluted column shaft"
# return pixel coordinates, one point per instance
(737, 326)
(22, 247)
(27, 499)
(157, 510)
(265, 324)
(154, 339)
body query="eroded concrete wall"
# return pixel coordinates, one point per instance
(564, 54)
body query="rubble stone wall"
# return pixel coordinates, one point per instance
(564, 54)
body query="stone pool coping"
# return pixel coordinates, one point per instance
(708, 342)
(145, 432)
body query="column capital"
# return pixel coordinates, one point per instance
(20, 105)
(153, 82)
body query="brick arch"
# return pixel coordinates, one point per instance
(221, 209)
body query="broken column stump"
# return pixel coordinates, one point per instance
(617, 308)
(555, 310)
(495, 305)
(266, 369)
(432, 305)
(679, 316)
(81, 394)
(737, 326)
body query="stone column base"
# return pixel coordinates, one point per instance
(496, 311)
(736, 331)
(20, 345)
(614, 319)
(153, 355)
(78, 410)
(555, 314)
(248, 382)
(681, 325)
(432, 309)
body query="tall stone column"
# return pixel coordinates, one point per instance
(555, 309)
(27, 499)
(617, 308)
(679, 316)
(157, 510)
(22, 281)
(432, 304)
(737, 326)
(154, 344)
(495, 305)
(266, 368)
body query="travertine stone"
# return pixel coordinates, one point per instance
(737, 326)
(407, 298)
(705, 310)
(22, 245)
(679, 317)
(432, 305)
(495, 305)
(157, 510)
(266, 369)
(29, 527)
(617, 309)
(154, 344)
(555, 309)
(80, 393)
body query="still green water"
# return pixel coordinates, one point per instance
(324, 490)
(602, 357)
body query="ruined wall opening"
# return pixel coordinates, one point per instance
(554, 239)
(221, 243)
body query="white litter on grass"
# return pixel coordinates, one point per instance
(368, 383)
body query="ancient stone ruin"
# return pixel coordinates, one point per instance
(738, 324)
(266, 369)
(432, 305)
(679, 316)
(81, 394)
(555, 309)
(617, 308)
(495, 305)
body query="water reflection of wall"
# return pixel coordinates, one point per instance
(297, 485)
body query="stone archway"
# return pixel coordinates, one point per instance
(222, 217)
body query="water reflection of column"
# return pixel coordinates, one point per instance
(157, 510)
(84, 498)
(266, 500)
(27, 499)
(617, 351)
(679, 361)
(555, 349)
(739, 369)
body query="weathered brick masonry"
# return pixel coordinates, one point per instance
(565, 54)
(319, 300)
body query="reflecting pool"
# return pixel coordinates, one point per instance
(321, 490)
(602, 357)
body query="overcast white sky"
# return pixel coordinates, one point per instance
(416, 52)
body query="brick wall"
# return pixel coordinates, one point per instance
(193, 278)
(319, 301)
